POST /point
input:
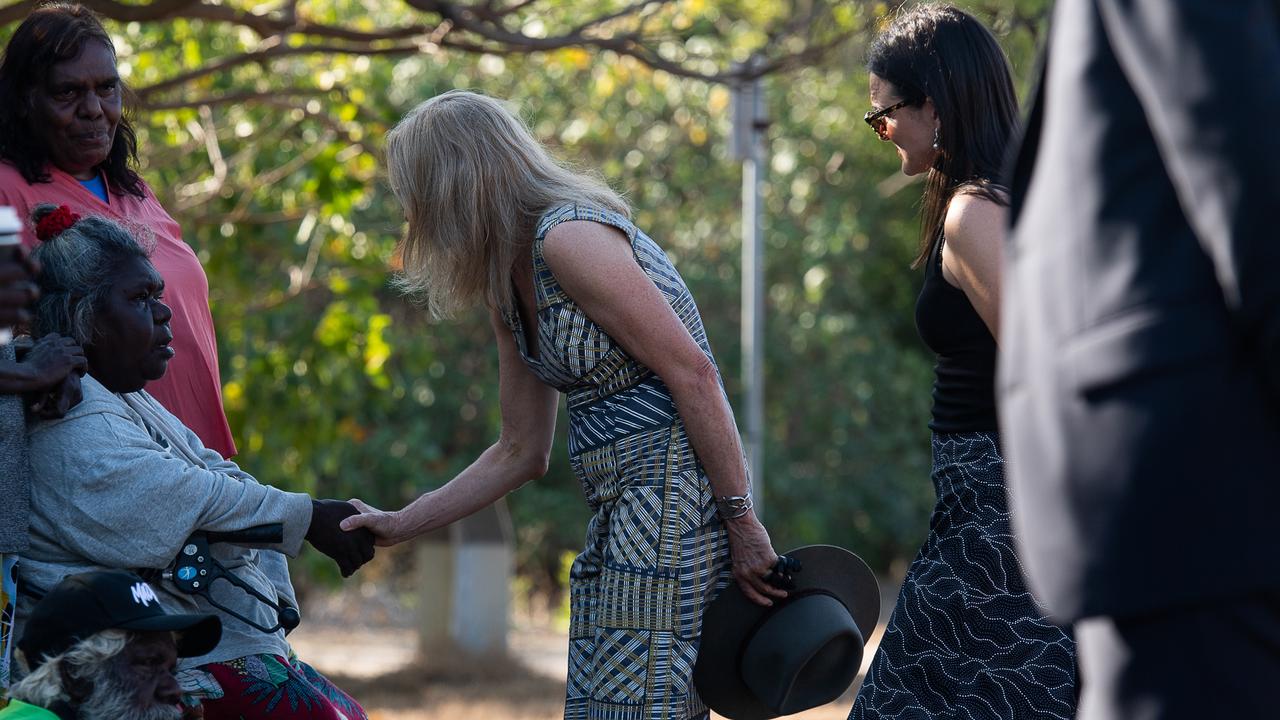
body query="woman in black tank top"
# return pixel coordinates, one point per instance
(966, 639)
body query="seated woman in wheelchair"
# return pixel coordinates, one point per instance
(119, 482)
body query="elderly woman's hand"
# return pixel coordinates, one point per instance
(51, 360)
(55, 403)
(47, 374)
(349, 549)
(753, 559)
(384, 525)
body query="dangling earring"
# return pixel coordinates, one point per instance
(937, 141)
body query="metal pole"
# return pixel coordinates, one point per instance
(750, 123)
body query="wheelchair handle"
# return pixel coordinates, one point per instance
(269, 534)
(195, 570)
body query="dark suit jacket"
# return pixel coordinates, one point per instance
(1140, 349)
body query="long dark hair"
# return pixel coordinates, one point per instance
(52, 34)
(943, 54)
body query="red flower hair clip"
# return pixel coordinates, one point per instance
(53, 224)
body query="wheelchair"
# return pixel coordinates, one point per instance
(195, 571)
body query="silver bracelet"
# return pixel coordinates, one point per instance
(734, 506)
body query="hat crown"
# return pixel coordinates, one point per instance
(805, 654)
(757, 662)
(143, 594)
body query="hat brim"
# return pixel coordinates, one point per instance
(731, 616)
(197, 634)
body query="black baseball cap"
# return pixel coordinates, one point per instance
(83, 605)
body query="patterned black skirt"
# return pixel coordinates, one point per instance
(966, 640)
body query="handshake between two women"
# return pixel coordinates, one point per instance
(349, 549)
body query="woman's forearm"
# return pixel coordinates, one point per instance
(708, 420)
(499, 470)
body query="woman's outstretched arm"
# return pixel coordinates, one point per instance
(520, 455)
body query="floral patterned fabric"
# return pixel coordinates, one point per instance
(267, 687)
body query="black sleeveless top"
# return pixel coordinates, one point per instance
(964, 397)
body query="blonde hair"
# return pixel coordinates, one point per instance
(473, 182)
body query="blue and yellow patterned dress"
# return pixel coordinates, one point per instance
(656, 552)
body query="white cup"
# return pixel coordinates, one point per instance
(10, 239)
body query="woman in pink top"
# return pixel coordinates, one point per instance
(65, 141)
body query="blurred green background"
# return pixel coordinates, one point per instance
(262, 133)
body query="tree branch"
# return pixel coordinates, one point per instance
(233, 98)
(273, 48)
(632, 9)
(513, 8)
(472, 27)
(492, 34)
(264, 25)
(195, 193)
(157, 10)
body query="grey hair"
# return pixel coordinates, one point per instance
(85, 659)
(473, 181)
(77, 269)
(94, 661)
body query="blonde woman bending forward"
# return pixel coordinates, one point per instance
(582, 303)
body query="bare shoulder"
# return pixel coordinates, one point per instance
(973, 221)
(575, 240)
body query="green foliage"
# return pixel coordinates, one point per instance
(334, 385)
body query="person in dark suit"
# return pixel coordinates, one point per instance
(1140, 356)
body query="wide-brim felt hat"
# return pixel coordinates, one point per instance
(756, 662)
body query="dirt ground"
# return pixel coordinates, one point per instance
(378, 664)
(380, 669)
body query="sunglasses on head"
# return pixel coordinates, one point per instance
(876, 119)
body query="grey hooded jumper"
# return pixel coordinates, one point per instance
(121, 483)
